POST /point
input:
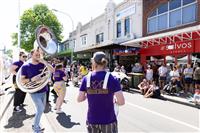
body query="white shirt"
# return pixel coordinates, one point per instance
(174, 74)
(149, 74)
(162, 71)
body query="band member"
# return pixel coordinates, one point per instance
(29, 73)
(59, 86)
(19, 95)
(100, 87)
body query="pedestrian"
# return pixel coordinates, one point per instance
(188, 73)
(99, 88)
(19, 95)
(29, 73)
(196, 76)
(149, 73)
(162, 72)
(59, 86)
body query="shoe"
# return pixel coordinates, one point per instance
(17, 109)
(22, 105)
(59, 111)
(39, 129)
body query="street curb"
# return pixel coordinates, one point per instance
(5, 105)
(171, 99)
(181, 102)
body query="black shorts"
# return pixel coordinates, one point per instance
(197, 82)
(188, 80)
(156, 93)
(162, 78)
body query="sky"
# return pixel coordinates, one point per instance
(79, 10)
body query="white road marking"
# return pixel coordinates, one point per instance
(164, 116)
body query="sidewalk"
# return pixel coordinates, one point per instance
(19, 121)
(175, 99)
(6, 98)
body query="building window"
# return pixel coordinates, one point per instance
(127, 26)
(172, 14)
(99, 38)
(118, 29)
(152, 27)
(84, 39)
(175, 18)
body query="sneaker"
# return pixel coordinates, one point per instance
(55, 108)
(17, 109)
(39, 129)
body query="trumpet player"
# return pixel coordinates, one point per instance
(31, 73)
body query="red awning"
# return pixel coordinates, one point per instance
(185, 34)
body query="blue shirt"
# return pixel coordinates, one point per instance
(30, 70)
(100, 106)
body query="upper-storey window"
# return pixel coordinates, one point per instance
(84, 39)
(172, 14)
(99, 38)
(127, 26)
(119, 29)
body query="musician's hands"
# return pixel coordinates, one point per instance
(36, 78)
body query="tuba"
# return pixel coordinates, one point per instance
(46, 43)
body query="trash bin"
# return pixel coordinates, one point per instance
(136, 79)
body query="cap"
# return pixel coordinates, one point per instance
(98, 56)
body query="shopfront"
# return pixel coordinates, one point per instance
(126, 57)
(170, 53)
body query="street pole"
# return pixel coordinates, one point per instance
(19, 34)
(71, 41)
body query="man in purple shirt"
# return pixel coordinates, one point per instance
(100, 87)
(19, 95)
(29, 73)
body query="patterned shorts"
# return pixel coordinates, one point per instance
(60, 88)
(99, 128)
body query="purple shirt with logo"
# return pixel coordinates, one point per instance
(19, 64)
(30, 70)
(100, 106)
(58, 75)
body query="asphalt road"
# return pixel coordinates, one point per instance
(137, 115)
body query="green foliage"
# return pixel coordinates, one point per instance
(9, 53)
(31, 19)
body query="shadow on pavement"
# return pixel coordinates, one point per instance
(65, 120)
(17, 118)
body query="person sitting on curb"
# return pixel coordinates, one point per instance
(153, 91)
(144, 86)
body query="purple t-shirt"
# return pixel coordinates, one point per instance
(30, 70)
(100, 105)
(58, 75)
(19, 64)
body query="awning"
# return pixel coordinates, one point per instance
(190, 33)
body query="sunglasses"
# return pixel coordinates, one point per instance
(24, 56)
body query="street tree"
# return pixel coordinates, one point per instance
(31, 19)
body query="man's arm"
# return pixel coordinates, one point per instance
(50, 67)
(81, 97)
(24, 80)
(119, 98)
(13, 69)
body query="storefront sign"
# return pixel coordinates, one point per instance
(128, 51)
(168, 49)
